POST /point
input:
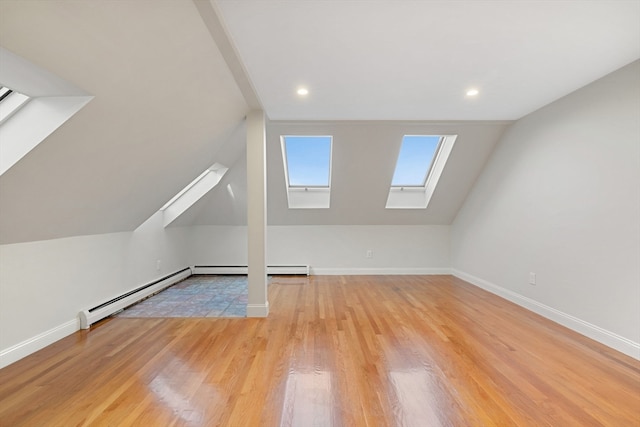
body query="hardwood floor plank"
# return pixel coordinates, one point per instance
(335, 351)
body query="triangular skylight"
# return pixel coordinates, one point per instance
(420, 163)
(307, 169)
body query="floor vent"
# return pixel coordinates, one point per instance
(99, 312)
(242, 269)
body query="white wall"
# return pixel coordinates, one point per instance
(335, 249)
(219, 245)
(560, 197)
(44, 284)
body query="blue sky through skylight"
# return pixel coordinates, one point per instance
(415, 158)
(308, 160)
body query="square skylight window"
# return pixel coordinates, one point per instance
(419, 166)
(415, 159)
(308, 160)
(307, 170)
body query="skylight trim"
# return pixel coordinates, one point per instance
(193, 192)
(52, 101)
(185, 189)
(429, 167)
(419, 197)
(10, 102)
(4, 92)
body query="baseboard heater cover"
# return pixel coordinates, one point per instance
(243, 269)
(106, 309)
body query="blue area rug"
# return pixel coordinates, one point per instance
(196, 296)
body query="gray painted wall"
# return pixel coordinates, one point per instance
(364, 159)
(332, 249)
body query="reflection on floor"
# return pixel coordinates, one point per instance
(196, 296)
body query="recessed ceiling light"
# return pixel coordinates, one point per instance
(302, 91)
(472, 92)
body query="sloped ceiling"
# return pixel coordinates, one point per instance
(165, 102)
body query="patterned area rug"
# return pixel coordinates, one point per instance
(196, 296)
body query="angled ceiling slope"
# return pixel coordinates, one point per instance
(164, 103)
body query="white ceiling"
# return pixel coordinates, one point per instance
(414, 60)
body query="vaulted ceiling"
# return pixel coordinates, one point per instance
(169, 100)
(164, 104)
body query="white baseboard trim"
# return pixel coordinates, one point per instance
(93, 315)
(603, 336)
(40, 341)
(243, 269)
(258, 310)
(377, 271)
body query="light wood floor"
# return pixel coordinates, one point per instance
(335, 351)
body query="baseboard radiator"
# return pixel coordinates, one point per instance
(99, 312)
(243, 269)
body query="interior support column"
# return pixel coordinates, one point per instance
(258, 305)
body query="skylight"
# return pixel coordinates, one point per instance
(26, 121)
(308, 160)
(419, 166)
(415, 159)
(307, 169)
(4, 92)
(10, 102)
(193, 192)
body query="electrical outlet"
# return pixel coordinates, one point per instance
(158, 265)
(369, 253)
(532, 278)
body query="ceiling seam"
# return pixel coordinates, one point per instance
(211, 17)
